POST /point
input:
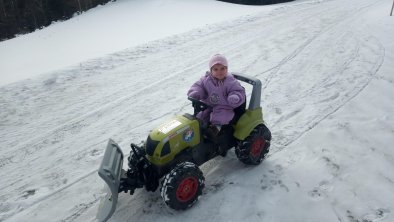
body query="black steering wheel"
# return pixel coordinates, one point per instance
(198, 105)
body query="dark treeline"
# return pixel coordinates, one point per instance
(24, 16)
(256, 2)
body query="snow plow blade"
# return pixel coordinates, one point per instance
(110, 171)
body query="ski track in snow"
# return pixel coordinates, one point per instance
(91, 117)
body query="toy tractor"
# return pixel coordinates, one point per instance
(173, 152)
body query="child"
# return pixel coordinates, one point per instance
(220, 90)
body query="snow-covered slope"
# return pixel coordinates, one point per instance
(326, 68)
(107, 29)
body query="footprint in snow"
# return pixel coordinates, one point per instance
(28, 193)
(378, 215)
(320, 191)
(332, 165)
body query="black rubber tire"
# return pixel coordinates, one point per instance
(182, 186)
(255, 147)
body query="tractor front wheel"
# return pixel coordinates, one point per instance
(182, 186)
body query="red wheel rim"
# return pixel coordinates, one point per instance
(257, 147)
(187, 189)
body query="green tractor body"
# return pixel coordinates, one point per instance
(174, 150)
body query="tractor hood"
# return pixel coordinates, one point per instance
(172, 137)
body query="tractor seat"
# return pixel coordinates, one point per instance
(238, 112)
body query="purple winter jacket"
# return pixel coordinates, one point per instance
(223, 96)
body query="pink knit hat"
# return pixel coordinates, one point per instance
(217, 59)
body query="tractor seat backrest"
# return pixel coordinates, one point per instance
(238, 112)
(255, 97)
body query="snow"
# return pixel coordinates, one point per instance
(105, 30)
(326, 68)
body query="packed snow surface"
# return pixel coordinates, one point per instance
(328, 91)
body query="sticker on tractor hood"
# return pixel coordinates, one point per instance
(188, 135)
(167, 127)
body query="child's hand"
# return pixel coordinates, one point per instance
(194, 95)
(233, 99)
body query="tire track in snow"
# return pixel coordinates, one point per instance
(356, 92)
(311, 91)
(349, 95)
(274, 70)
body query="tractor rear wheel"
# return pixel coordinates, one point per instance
(255, 147)
(182, 186)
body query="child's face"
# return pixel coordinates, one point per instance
(219, 71)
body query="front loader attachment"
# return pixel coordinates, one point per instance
(110, 171)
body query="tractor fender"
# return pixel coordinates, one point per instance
(248, 121)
